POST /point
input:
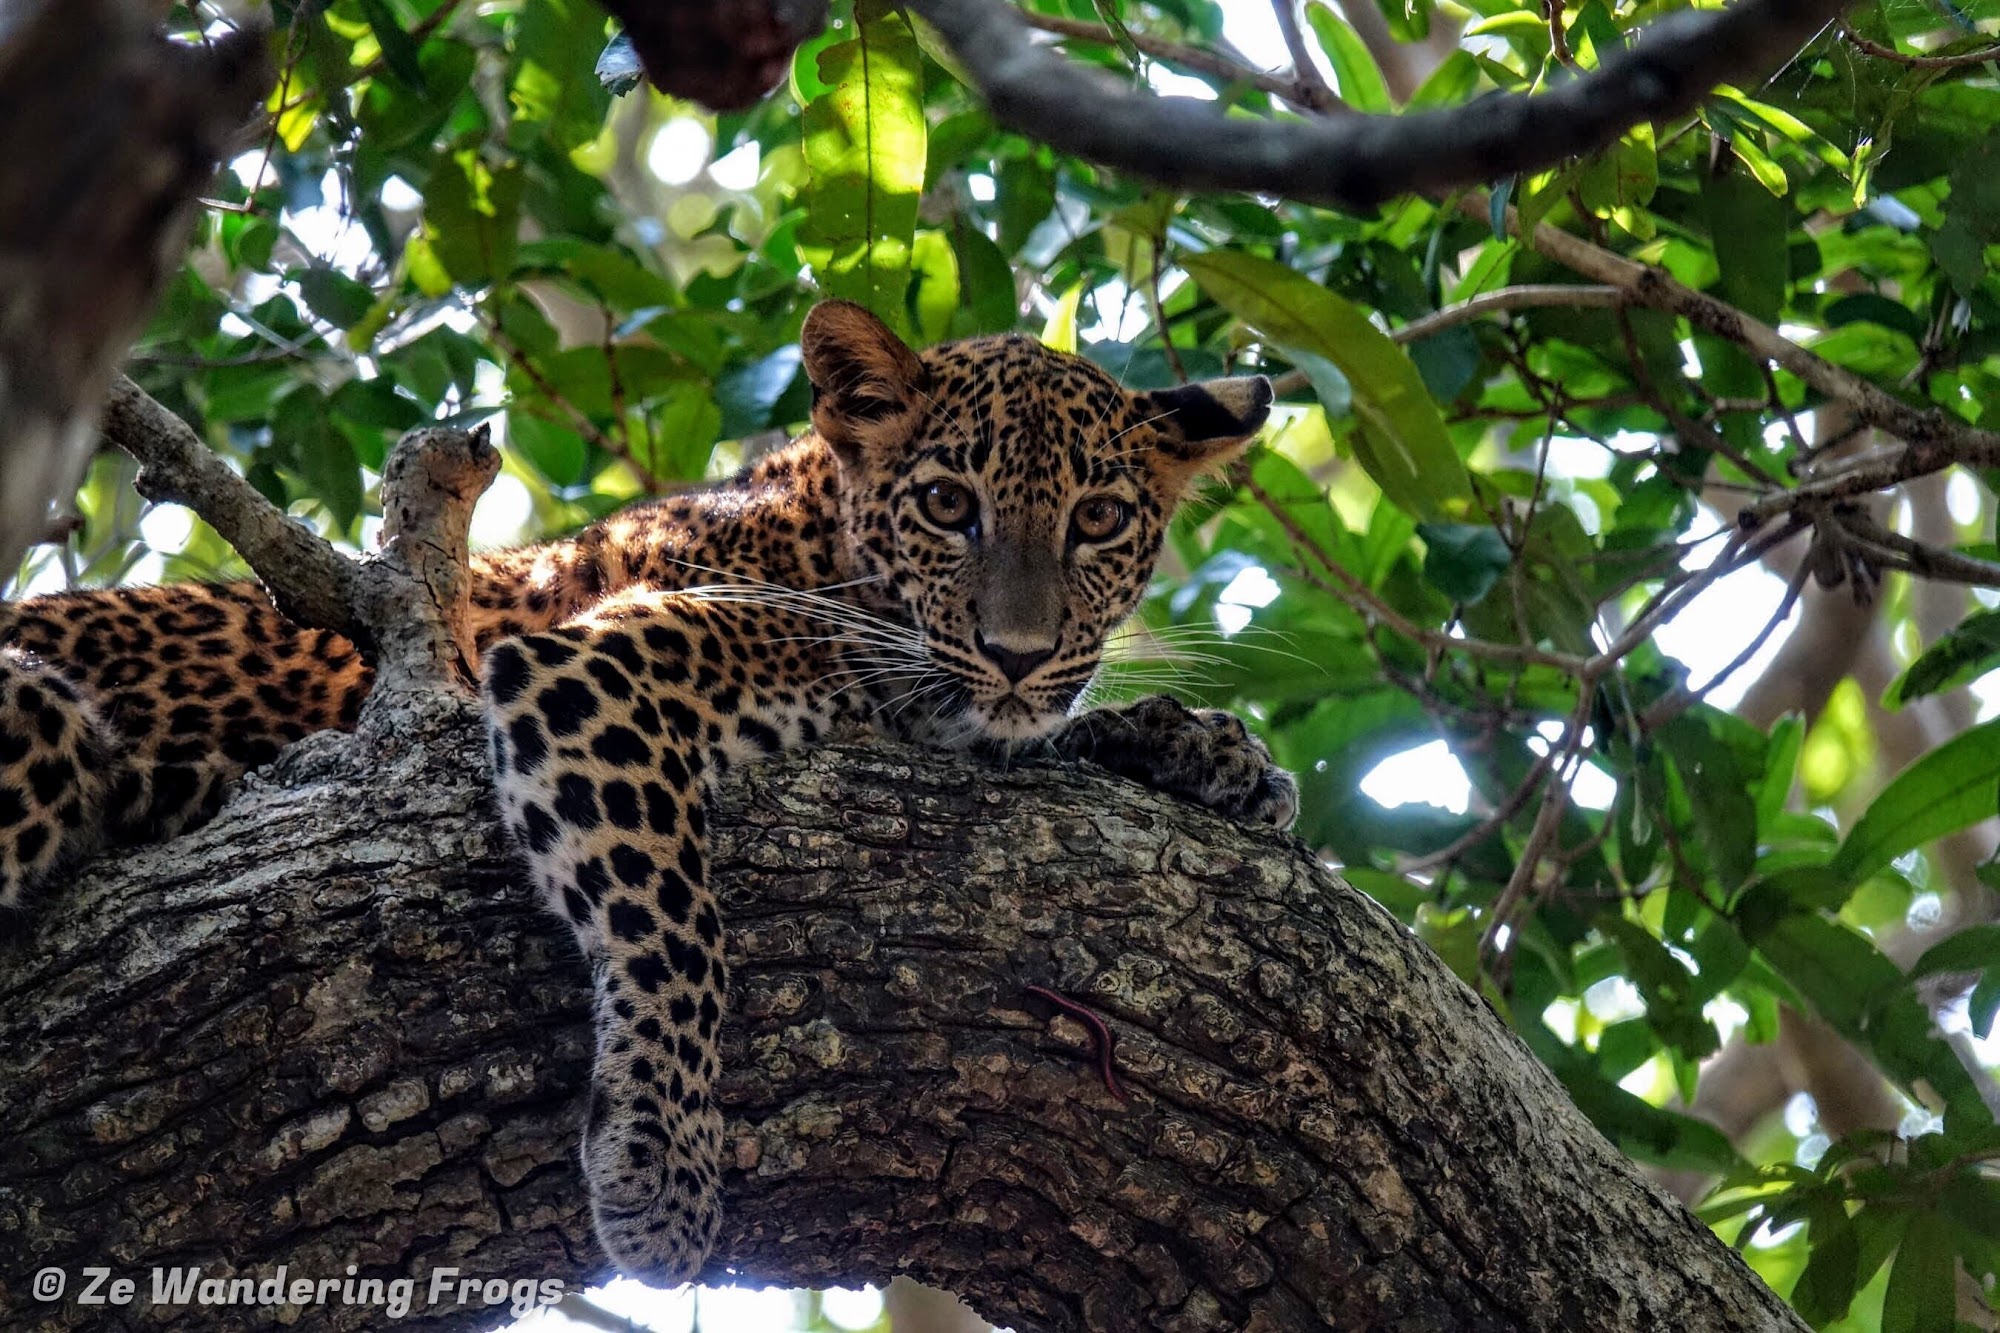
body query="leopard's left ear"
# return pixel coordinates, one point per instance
(1205, 425)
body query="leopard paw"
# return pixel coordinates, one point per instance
(1200, 754)
(653, 1182)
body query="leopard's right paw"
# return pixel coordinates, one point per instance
(653, 1184)
(1203, 755)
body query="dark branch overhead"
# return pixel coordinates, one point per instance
(111, 131)
(1354, 160)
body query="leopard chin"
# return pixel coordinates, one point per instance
(1012, 720)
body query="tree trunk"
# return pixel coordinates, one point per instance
(331, 1029)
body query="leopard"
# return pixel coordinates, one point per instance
(940, 557)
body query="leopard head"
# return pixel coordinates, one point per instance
(1011, 501)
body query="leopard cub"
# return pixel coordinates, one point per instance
(941, 556)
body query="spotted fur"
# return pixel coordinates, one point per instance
(941, 558)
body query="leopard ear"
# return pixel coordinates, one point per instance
(868, 386)
(1204, 425)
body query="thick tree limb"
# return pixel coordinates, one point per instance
(331, 1028)
(1191, 145)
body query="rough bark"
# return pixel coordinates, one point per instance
(331, 1028)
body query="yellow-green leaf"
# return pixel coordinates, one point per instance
(865, 148)
(1060, 331)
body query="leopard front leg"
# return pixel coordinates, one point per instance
(606, 734)
(1203, 755)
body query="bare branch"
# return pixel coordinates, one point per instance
(306, 578)
(1304, 68)
(414, 595)
(405, 607)
(1931, 439)
(1984, 55)
(1362, 160)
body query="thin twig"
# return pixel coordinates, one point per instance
(1980, 57)
(1676, 702)
(1555, 796)
(1932, 440)
(1487, 827)
(1304, 68)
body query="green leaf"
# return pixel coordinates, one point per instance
(1972, 215)
(684, 429)
(1856, 989)
(472, 212)
(986, 284)
(399, 53)
(1450, 84)
(1922, 1295)
(1646, 1132)
(1952, 787)
(749, 393)
(935, 298)
(557, 89)
(1833, 1262)
(333, 296)
(1794, 129)
(1401, 441)
(1335, 394)
(324, 456)
(1747, 226)
(865, 152)
(556, 451)
(1463, 560)
(1718, 790)
(1973, 949)
(1059, 331)
(1621, 179)
(1354, 70)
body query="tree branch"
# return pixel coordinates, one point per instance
(1931, 439)
(1304, 68)
(404, 607)
(1362, 160)
(379, 1048)
(1983, 55)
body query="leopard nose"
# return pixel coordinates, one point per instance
(1013, 664)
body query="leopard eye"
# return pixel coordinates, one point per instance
(1100, 518)
(949, 505)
